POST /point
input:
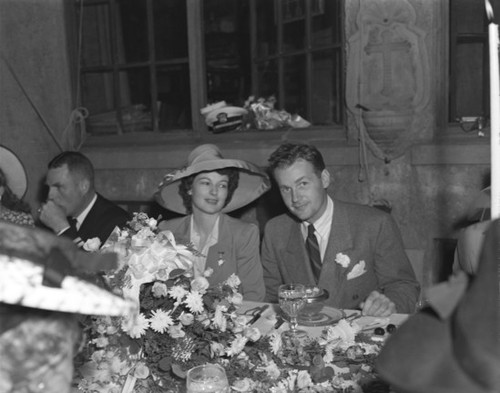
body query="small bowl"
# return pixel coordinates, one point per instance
(315, 301)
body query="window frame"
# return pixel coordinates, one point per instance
(197, 74)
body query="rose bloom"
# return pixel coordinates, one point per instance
(303, 379)
(152, 223)
(162, 274)
(176, 331)
(160, 289)
(242, 385)
(199, 284)
(208, 272)
(233, 281)
(141, 371)
(216, 349)
(237, 299)
(186, 319)
(252, 333)
(92, 244)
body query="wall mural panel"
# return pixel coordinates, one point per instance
(388, 77)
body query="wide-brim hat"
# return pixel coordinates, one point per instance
(453, 345)
(14, 171)
(253, 181)
(43, 271)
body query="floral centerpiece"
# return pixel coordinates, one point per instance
(182, 322)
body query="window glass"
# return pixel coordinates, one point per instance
(295, 85)
(132, 31)
(170, 32)
(323, 31)
(326, 106)
(174, 98)
(96, 40)
(266, 28)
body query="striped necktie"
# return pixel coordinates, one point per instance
(312, 248)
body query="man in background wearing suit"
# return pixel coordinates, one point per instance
(73, 208)
(359, 257)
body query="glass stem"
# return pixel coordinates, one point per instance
(293, 324)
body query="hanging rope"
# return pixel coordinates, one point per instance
(364, 171)
(35, 108)
(75, 130)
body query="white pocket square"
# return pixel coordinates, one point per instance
(357, 270)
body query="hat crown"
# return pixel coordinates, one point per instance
(207, 152)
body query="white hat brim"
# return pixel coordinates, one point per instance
(14, 171)
(21, 284)
(253, 182)
(41, 270)
(230, 111)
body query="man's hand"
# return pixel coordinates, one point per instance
(53, 216)
(377, 305)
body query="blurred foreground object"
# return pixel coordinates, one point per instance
(452, 345)
(43, 285)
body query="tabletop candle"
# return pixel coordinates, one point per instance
(494, 112)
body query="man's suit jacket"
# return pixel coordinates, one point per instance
(100, 222)
(239, 243)
(360, 232)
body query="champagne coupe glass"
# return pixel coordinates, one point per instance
(207, 378)
(292, 298)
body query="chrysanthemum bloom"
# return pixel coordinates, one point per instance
(138, 327)
(177, 292)
(160, 320)
(194, 302)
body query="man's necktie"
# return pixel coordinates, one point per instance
(72, 223)
(312, 248)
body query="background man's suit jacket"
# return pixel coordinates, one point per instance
(239, 243)
(100, 222)
(362, 233)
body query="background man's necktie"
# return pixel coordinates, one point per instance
(312, 248)
(72, 223)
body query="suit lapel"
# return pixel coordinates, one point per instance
(340, 240)
(296, 259)
(88, 224)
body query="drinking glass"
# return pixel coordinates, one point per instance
(292, 298)
(207, 378)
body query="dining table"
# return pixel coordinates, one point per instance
(266, 317)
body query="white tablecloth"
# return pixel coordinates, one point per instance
(266, 322)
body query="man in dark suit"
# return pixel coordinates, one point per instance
(73, 208)
(360, 259)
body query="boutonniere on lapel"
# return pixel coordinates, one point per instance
(221, 259)
(343, 260)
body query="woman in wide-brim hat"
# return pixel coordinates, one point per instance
(204, 190)
(13, 185)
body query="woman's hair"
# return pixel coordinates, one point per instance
(233, 175)
(9, 199)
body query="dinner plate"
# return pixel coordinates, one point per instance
(326, 317)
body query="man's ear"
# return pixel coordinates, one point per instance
(84, 186)
(325, 178)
